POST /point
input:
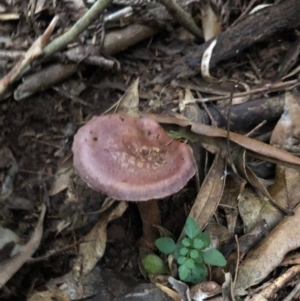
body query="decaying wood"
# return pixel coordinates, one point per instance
(255, 28)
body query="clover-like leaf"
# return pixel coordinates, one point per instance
(214, 257)
(191, 228)
(194, 254)
(190, 263)
(199, 259)
(186, 242)
(183, 251)
(179, 246)
(205, 238)
(166, 245)
(154, 264)
(198, 273)
(184, 272)
(181, 260)
(198, 243)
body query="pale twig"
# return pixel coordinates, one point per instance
(182, 17)
(35, 51)
(89, 17)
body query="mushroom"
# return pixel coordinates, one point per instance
(132, 159)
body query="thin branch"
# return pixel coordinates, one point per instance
(182, 17)
(90, 16)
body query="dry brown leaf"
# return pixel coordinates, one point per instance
(234, 186)
(62, 176)
(50, 295)
(249, 175)
(250, 208)
(92, 250)
(211, 22)
(174, 295)
(129, 102)
(284, 238)
(218, 137)
(287, 129)
(210, 193)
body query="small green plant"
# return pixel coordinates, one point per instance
(192, 253)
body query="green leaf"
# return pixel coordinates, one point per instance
(198, 243)
(184, 272)
(191, 228)
(198, 273)
(181, 260)
(154, 264)
(176, 253)
(214, 257)
(194, 254)
(205, 238)
(186, 242)
(183, 251)
(199, 259)
(190, 263)
(166, 245)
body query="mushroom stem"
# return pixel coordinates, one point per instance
(150, 215)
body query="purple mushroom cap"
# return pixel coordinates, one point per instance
(131, 158)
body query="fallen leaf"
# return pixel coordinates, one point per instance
(92, 250)
(218, 137)
(260, 262)
(210, 193)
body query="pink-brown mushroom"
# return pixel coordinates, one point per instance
(132, 159)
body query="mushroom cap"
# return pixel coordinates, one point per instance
(131, 158)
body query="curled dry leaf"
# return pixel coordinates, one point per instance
(211, 22)
(182, 289)
(174, 295)
(92, 250)
(205, 290)
(205, 62)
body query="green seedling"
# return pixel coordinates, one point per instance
(192, 253)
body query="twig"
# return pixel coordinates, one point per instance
(35, 51)
(182, 17)
(244, 13)
(54, 253)
(90, 16)
(11, 266)
(267, 88)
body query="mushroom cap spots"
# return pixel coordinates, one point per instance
(131, 158)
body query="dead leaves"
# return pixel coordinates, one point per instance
(217, 137)
(92, 250)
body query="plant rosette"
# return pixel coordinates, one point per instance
(192, 253)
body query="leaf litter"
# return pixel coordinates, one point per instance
(73, 256)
